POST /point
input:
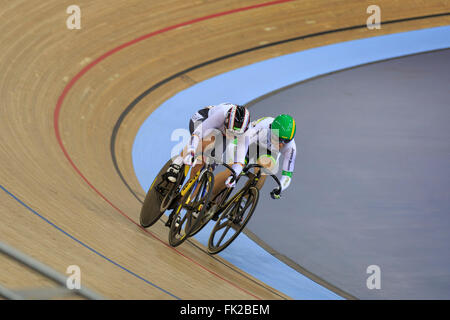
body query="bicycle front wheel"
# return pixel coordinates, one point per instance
(233, 220)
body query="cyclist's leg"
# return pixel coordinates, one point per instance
(262, 156)
(219, 182)
(206, 143)
(268, 162)
(221, 177)
(194, 171)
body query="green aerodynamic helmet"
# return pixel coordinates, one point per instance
(285, 126)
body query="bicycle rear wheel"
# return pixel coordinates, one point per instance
(151, 208)
(192, 203)
(173, 190)
(235, 217)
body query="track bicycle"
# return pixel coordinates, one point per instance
(192, 204)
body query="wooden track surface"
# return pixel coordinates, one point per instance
(38, 58)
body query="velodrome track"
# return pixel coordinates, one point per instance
(63, 92)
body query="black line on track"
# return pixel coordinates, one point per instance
(134, 103)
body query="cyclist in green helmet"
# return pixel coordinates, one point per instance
(273, 137)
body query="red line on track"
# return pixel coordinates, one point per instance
(103, 57)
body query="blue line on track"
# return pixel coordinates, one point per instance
(85, 245)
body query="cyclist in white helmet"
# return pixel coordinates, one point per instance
(225, 121)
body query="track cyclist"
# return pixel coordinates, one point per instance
(271, 138)
(222, 125)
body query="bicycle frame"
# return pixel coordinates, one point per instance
(253, 180)
(250, 183)
(190, 182)
(193, 180)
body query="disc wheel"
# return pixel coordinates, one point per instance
(172, 190)
(232, 221)
(151, 208)
(191, 204)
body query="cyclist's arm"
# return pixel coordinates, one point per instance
(289, 153)
(237, 167)
(243, 143)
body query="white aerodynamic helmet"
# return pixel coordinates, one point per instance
(237, 120)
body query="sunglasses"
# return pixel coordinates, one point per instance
(282, 140)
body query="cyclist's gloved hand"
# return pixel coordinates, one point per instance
(275, 193)
(189, 160)
(230, 184)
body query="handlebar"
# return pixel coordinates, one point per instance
(245, 170)
(250, 166)
(277, 181)
(233, 173)
(255, 165)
